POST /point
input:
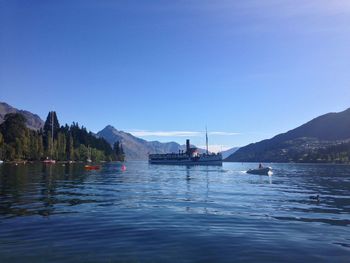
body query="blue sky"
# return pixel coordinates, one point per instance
(163, 70)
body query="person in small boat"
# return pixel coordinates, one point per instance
(260, 166)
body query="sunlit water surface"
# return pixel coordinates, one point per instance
(156, 213)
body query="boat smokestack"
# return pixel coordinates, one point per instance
(206, 139)
(188, 146)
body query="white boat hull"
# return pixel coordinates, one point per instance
(186, 162)
(260, 171)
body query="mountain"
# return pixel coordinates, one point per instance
(136, 148)
(228, 152)
(315, 141)
(33, 121)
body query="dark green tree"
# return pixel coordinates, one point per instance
(70, 148)
(122, 154)
(118, 152)
(15, 134)
(13, 127)
(116, 148)
(66, 142)
(51, 120)
(61, 146)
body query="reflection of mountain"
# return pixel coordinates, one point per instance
(136, 148)
(323, 139)
(33, 121)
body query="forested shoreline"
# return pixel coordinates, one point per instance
(61, 143)
(301, 150)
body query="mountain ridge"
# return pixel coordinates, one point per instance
(33, 121)
(136, 148)
(319, 133)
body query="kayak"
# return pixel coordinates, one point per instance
(260, 171)
(92, 167)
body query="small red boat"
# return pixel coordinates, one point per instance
(92, 167)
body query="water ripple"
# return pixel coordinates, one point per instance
(174, 213)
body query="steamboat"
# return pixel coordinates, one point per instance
(189, 157)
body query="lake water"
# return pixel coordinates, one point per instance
(156, 213)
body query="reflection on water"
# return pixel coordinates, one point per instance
(174, 213)
(32, 189)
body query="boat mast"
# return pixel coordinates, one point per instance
(206, 138)
(89, 154)
(51, 135)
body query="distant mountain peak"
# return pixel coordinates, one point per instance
(136, 148)
(110, 127)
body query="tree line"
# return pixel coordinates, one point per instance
(61, 143)
(337, 153)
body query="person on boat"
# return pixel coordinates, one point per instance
(260, 166)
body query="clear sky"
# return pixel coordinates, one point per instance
(164, 69)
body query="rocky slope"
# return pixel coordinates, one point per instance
(314, 141)
(136, 148)
(33, 121)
